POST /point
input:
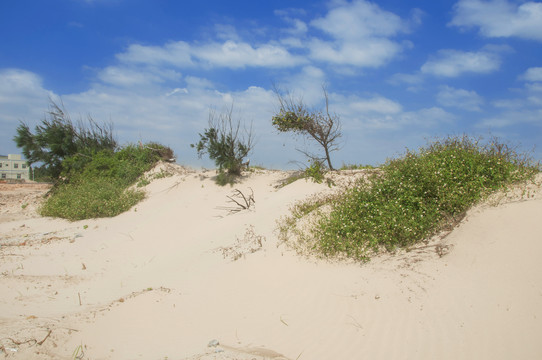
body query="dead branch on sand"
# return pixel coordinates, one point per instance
(241, 201)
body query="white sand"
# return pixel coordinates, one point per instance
(153, 283)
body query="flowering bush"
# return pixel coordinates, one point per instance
(418, 195)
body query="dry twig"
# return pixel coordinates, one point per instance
(241, 201)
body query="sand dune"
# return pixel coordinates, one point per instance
(178, 271)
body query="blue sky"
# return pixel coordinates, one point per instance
(397, 72)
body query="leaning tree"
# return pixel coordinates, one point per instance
(319, 125)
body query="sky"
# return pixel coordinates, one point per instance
(397, 73)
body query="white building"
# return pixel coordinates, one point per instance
(12, 167)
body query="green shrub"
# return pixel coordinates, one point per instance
(355, 167)
(100, 188)
(315, 171)
(91, 198)
(57, 138)
(417, 196)
(225, 178)
(226, 142)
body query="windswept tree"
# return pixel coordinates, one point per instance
(226, 141)
(319, 125)
(58, 138)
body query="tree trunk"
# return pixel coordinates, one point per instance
(328, 158)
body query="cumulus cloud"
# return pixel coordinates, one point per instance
(306, 84)
(298, 27)
(532, 74)
(360, 33)
(459, 98)
(176, 53)
(452, 63)
(233, 54)
(22, 98)
(357, 33)
(126, 77)
(412, 81)
(420, 119)
(16, 85)
(512, 118)
(427, 117)
(376, 104)
(227, 54)
(500, 18)
(358, 20)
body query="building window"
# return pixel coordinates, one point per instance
(18, 176)
(3, 176)
(24, 166)
(15, 166)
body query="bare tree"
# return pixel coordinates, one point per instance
(320, 125)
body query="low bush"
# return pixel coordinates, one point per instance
(224, 178)
(356, 167)
(90, 198)
(315, 171)
(416, 196)
(101, 187)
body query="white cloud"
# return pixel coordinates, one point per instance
(452, 63)
(530, 100)
(19, 91)
(427, 117)
(500, 18)
(306, 84)
(459, 98)
(411, 79)
(177, 91)
(22, 98)
(512, 118)
(174, 53)
(16, 83)
(126, 77)
(376, 104)
(532, 74)
(360, 31)
(514, 112)
(298, 27)
(508, 103)
(227, 32)
(357, 33)
(233, 54)
(419, 119)
(359, 20)
(366, 53)
(228, 54)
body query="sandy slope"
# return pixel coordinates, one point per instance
(161, 282)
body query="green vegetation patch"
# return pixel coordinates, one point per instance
(416, 196)
(91, 198)
(99, 185)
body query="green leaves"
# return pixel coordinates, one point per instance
(99, 186)
(57, 138)
(290, 121)
(418, 195)
(319, 125)
(225, 143)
